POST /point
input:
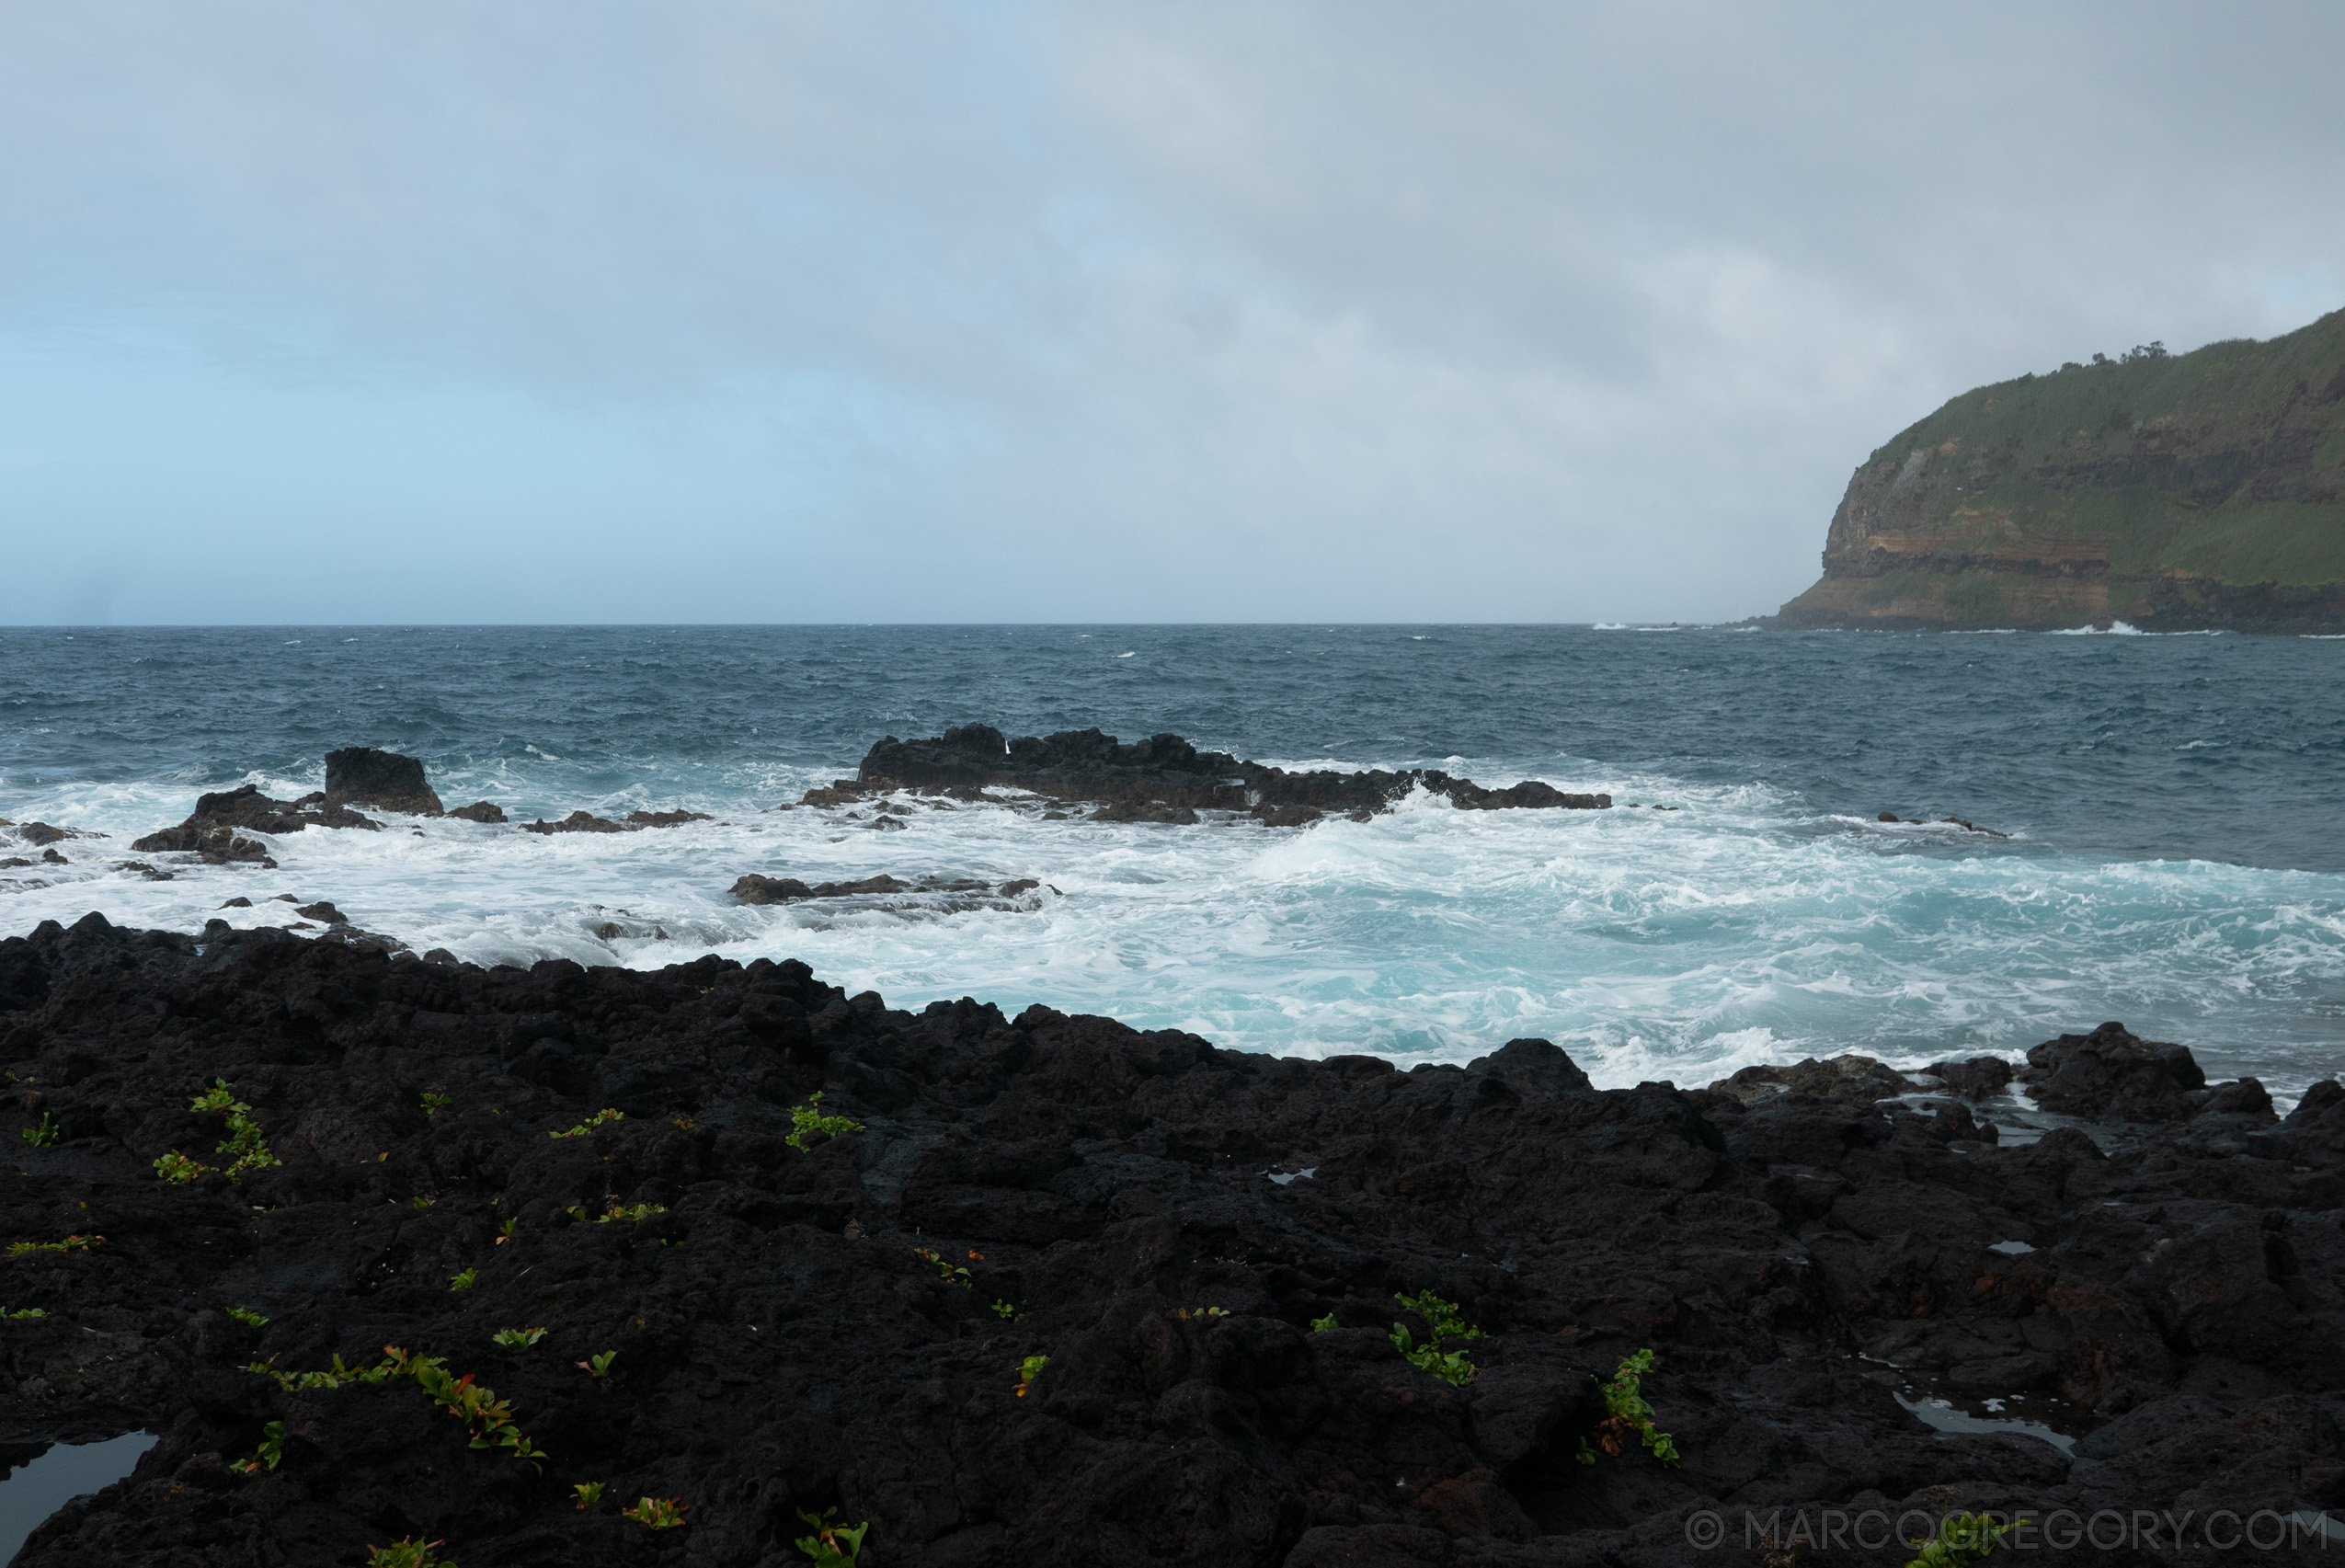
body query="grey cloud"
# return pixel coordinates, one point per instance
(1244, 310)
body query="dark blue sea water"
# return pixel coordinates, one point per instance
(2176, 808)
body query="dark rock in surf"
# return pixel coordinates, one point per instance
(2112, 1074)
(576, 822)
(1851, 1080)
(246, 810)
(360, 775)
(666, 818)
(1156, 779)
(1980, 1078)
(757, 889)
(480, 812)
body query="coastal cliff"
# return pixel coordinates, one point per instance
(2174, 492)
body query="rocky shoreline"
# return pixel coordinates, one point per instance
(803, 1313)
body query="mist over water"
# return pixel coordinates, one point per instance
(2176, 808)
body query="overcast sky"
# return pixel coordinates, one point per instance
(423, 310)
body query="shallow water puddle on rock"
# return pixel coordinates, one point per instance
(1945, 1416)
(39, 1488)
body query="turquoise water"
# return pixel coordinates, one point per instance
(2175, 807)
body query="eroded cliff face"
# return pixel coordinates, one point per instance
(2170, 491)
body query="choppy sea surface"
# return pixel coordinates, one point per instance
(2175, 808)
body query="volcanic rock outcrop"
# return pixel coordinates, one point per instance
(1163, 778)
(360, 775)
(356, 775)
(607, 1196)
(757, 889)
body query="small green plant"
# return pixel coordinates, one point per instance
(21, 1313)
(1442, 1321)
(518, 1339)
(1028, 1370)
(951, 1274)
(1005, 1312)
(659, 1513)
(486, 1418)
(434, 1102)
(421, 1202)
(507, 1230)
(176, 1167)
(1629, 1415)
(42, 1133)
(1962, 1540)
(617, 1212)
(600, 1364)
(832, 1546)
(463, 1279)
(590, 1494)
(1186, 1315)
(806, 1119)
(1325, 1324)
(245, 1144)
(408, 1554)
(600, 1118)
(70, 1244)
(246, 1316)
(271, 1450)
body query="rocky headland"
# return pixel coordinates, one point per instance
(1045, 1289)
(2174, 492)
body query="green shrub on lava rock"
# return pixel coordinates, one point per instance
(832, 1546)
(1962, 1540)
(805, 1119)
(1629, 1415)
(1442, 1321)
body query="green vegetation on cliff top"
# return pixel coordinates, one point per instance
(2207, 485)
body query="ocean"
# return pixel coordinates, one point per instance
(2174, 807)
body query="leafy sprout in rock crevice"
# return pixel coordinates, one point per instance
(488, 1419)
(518, 1339)
(270, 1451)
(806, 1119)
(1029, 1369)
(832, 1546)
(408, 1554)
(1442, 1321)
(600, 1118)
(42, 1133)
(246, 1316)
(1629, 1415)
(659, 1513)
(590, 1493)
(951, 1274)
(70, 1244)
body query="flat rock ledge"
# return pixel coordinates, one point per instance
(1205, 1245)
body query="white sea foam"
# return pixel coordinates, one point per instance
(1651, 944)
